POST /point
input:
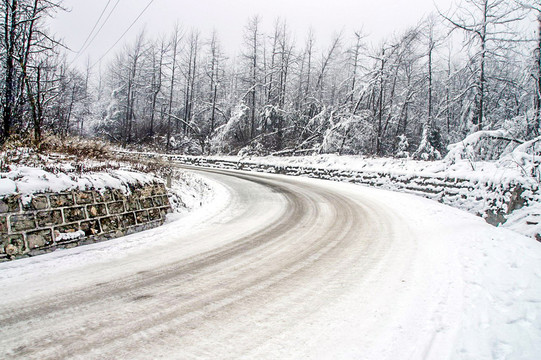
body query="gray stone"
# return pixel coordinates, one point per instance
(118, 195)
(516, 201)
(145, 192)
(147, 203)
(12, 245)
(127, 220)
(158, 200)
(39, 239)
(154, 214)
(49, 218)
(38, 202)
(22, 222)
(495, 217)
(160, 189)
(104, 196)
(163, 212)
(109, 224)
(91, 227)
(74, 214)
(61, 200)
(4, 224)
(9, 204)
(83, 197)
(132, 204)
(116, 207)
(141, 216)
(96, 210)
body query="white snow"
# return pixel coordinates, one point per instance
(26, 181)
(466, 290)
(70, 235)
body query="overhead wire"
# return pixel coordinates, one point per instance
(123, 34)
(97, 32)
(95, 26)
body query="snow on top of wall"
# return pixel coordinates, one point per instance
(25, 180)
(479, 171)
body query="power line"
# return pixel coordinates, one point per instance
(124, 34)
(95, 26)
(84, 48)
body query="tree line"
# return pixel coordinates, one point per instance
(411, 94)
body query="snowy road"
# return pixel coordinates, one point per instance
(284, 267)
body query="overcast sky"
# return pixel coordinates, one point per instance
(378, 18)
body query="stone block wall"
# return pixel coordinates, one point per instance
(492, 201)
(52, 220)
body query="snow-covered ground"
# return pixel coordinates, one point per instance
(428, 282)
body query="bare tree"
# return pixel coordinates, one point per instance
(175, 47)
(24, 43)
(486, 22)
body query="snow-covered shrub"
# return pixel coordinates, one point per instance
(482, 145)
(346, 134)
(402, 149)
(490, 144)
(233, 134)
(427, 148)
(527, 157)
(255, 148)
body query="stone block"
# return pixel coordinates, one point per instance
(154, 214)
(74, 214)
(118, 195)
(83, 197)
(132, 204)
(163, 212)
(160, 189)
(9, 204)
(4, 224)
(22, 222)
(147, 203)
(127, 220)
(104, 196)
(96, 210)
(109, 224)
(49, 218)
(91, 227)
(38, 239)
(145, 191)
(61, 200)
(141, 216)
(66, 228)
(166, 200)
(38, 202)
(116, 207)
(12, 245)
(158, 201)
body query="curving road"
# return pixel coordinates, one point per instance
(290, 268)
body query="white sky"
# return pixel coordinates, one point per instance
(378, 18)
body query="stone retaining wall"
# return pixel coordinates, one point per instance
(52, 220)
(492, 201)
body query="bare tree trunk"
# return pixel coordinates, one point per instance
(175, 41)
(537, 127)
(10, 28)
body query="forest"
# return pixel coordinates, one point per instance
(472, 70)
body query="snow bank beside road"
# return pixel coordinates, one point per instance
(496, 280)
